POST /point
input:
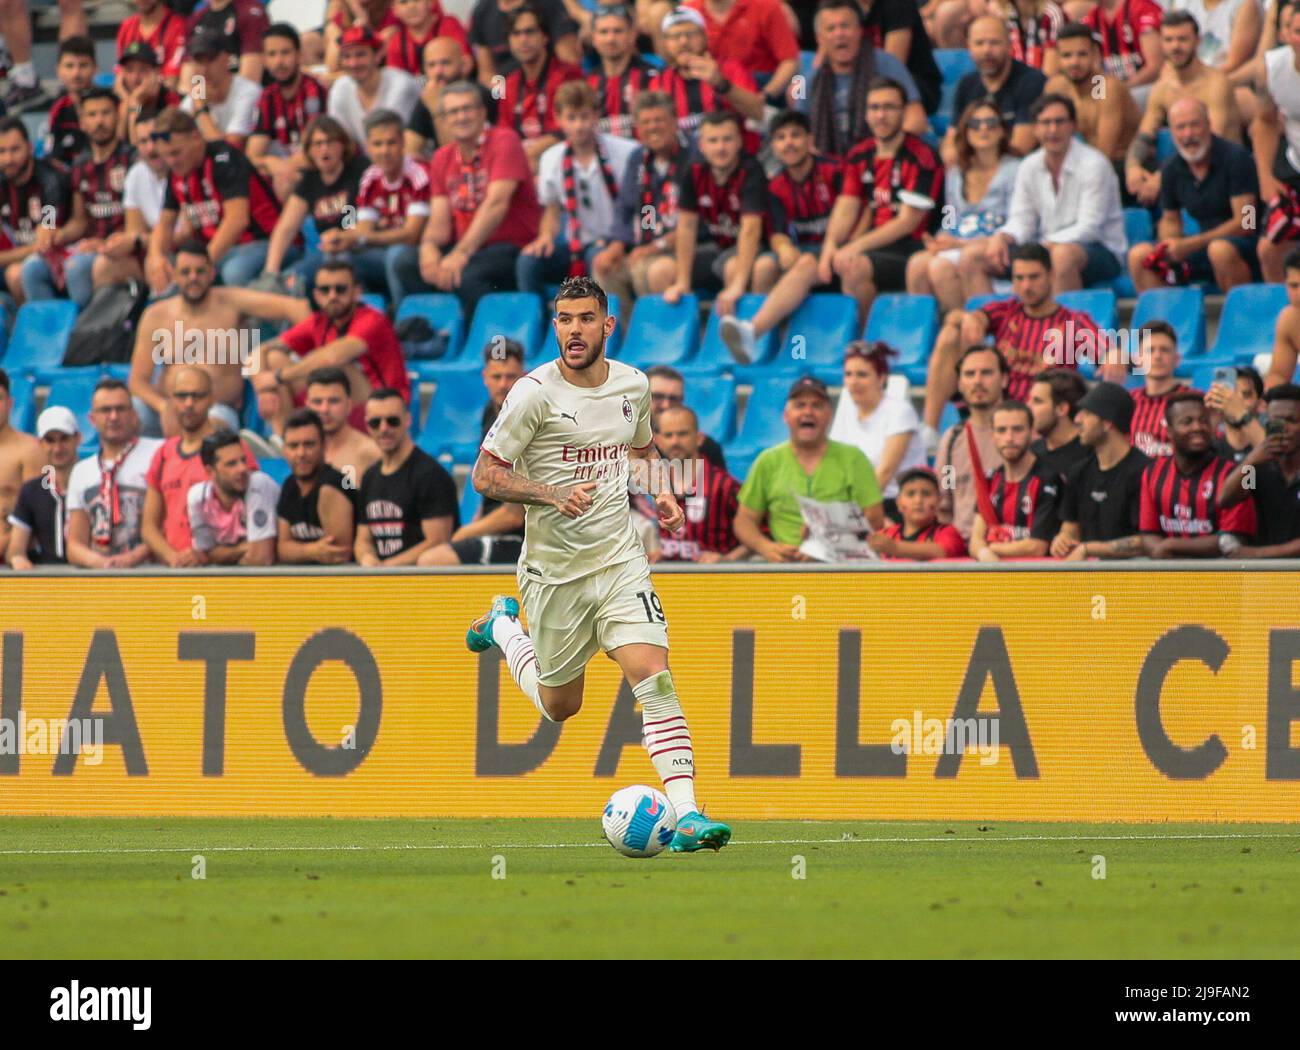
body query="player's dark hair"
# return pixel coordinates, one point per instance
(8, 124)
(110, 383)
(4, 380)
(1066, 384)
(383, 393)
(305, 417)
(722, 116)
(286, 32)
(1053, 99)
(1292, 260)
(582, 288)
(786, 118)
(622, 11)
(669, 372)
(339, 265)
(1160, 328)
(176, 122)
(1077, 31)
(984, 348)
(658, 100)
(887, 84)
(850, 5)
(214, 443)
(1174, 19)
(192, 246)
(876, 354)
(382, 118)
(81, 46)
(1182, 397)
(502, 349)
(96, 93)
(1281, 392)
(330, 377)
(1256, 380)
(528, 9)
(1032, 252)
(1010, 404)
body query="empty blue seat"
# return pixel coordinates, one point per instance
(714, 357)
(814, 342)
(1246, 324)
(763, 425)
(379, 302)
(444, 314)
(1138, 229)
(1184, 308)
(908, 323)
(739, 460)
(615, 343)
(454, 422)
(73, 390)
(1165, 148)
(953, 63)
(976, 301)
(514, 315)
(1100, 305)
(40, 336)
(22, 410)
(277, 468)
(714, 400)
(1203, 375)
(661, 333)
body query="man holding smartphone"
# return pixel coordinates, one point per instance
(1235, 393)
(1271, 474)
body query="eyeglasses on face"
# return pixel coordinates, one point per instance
(375, 422)
(983, 123)
(333, 289)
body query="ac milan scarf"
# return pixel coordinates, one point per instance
(578, 265)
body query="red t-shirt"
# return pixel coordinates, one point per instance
(528, 107)
(172, 474)
(167, 41)
(500, 155)
(753, 34)
(1121, 37)
(945, 535)
(382, 362)
(388, 204)
(406, 50)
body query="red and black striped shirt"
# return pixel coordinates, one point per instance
(616, 96)
(1032, 39)
(945, 535)
(67, 140)
(1031, 344)
(1149, 432)
(284, 120)
(100, 185)
(1184, 506)
(710, 508)
(223, 174)
(406, 50)
(801, 209)
(1121, 36)
(693, 98)
(720, 207)
(1028, 508)
(528, 107)
(22, 205)
(167, 40)
(913, 175)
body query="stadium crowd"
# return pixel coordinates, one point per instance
(245, 176)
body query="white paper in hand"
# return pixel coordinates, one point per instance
(837, 532)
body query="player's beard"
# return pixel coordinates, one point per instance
(592, 357)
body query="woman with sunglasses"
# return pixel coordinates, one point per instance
(885, 427)
(327, 192)
(978, 193)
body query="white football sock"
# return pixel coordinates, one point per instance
(521, 658)
(668, 739)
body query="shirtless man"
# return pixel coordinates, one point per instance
(1182, 75)
(21, 459)
(1108, 116)
(201, 307)
(347, 450)
(1286, 334)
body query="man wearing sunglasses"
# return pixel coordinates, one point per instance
(407, 504)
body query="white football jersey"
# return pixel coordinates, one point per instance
(555, 433)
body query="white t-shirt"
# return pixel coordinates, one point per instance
(398, 91)
(145, 191)
(894, 415)
(595, 206)
(1284, 87)
(237, 115)
(556, 433)
(83, 494)
(252, 518)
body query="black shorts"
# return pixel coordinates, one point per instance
(489, 550)
(889, 265)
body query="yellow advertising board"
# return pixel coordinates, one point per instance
(1132, 696)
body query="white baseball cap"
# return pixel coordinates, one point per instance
(57, 418)
(679, 15)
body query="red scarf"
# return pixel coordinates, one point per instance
(578, 265)
(109, 496)
(647, 192)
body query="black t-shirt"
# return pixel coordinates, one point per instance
(1063, 459)
(1023, 86)
(45, 515)
(1277, 506)
(487, 28)
(301, 512)
(490, 411)
(1232, 174)
(395, 505)
(1225, 451)
(1105, 503)
(326, 203)
(889, 15)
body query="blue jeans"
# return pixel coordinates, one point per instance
(38, 281)
(534, 272)
(244, 262)
(393, 270)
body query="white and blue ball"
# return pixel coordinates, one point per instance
(639, 821)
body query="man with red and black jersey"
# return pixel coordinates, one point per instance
(623, 73)
(76, 71)
(1158, 354)
(1180, 516)
(722, 207)
(698, 83)
(920, 536)
(422, 21)
(1024, 492)
(893, 187)
(241, 24)
(35, 209)
(143, 93)
(1129, 31)
(802, 196)
(527, 103)
(287, 105)
(220, 198)
(161, 29)
(708, 495)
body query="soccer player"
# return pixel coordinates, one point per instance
(569, 428)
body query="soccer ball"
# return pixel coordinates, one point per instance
(639, 821)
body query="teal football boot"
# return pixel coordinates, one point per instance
(695, 831)
(479, 636)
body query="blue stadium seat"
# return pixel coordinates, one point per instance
(1137, 229)
(662, 334)
(714, 400)
(1190, 226)
(739, 460)
(515, 315)
(1203, 374)
(454, 422)
(714, 357)
(763, 425)
(470, 501)
(908, 323)
(949, 417)
(814, 342)
(615, 343)
(976, 301)
(1250, 312)
(379, 302)
(1164, 146)
(1100, 305)
(73, 390)
(40, 337)
(104, 79)
(277, 468)
(310, 236)
(1184, 308)
(444, 314)
(953, 63)
(22, 412)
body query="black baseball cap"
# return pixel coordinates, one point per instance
(1111, 402)
(204, 41)
(809, 384)
(138, 52)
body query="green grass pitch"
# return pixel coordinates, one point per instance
(72, 888)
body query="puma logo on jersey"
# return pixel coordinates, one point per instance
(570, 415)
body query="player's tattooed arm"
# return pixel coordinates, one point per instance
(497, 481)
